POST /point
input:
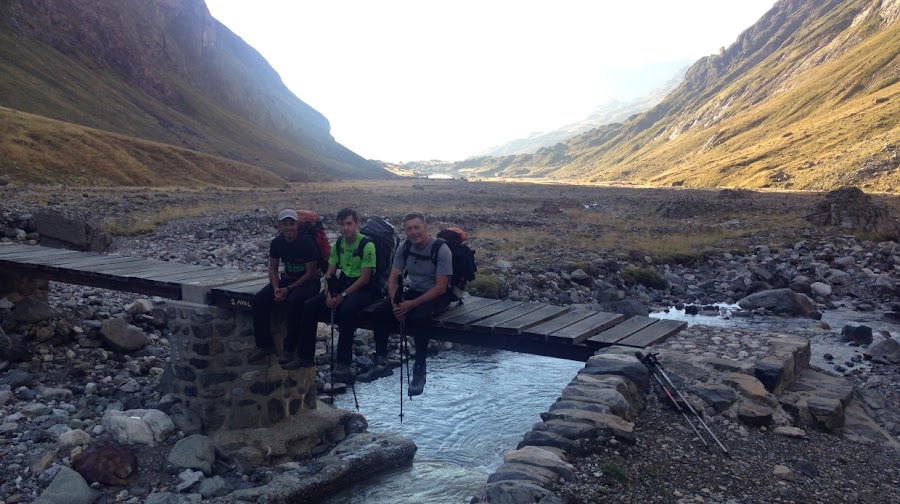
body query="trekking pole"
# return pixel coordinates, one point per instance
(674, 401)
(402, 323)
(653, 364)
(352, 386)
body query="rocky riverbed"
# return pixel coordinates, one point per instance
(61, 374)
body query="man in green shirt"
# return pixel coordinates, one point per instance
(350, 268)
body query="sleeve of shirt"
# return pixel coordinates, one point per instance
(333, 258)
(368, 258)
(399, 261)
(273, 249)
(444, 261)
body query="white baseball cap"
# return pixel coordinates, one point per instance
(288, 214)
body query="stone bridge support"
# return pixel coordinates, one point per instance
(209, 372)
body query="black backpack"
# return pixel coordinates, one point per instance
(381, 233)
(464, 265)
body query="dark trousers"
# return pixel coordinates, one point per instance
(264, 302)
(346, 316)
(418, 321)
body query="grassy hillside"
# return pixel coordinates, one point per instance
(45, 151)
(808, 98)
(182, 80)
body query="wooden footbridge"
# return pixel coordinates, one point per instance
(535, 328)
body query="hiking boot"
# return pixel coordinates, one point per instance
(417, 386)
(287, 357)
(298, 362)
(342, 373)
(260, 354)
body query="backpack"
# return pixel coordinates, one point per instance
(464, 265)
(311, 224)
(380, 232)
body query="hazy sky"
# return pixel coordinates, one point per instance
(416, 80)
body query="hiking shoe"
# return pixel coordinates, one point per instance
(417, 386)
(297, 363)
(260, 354)
(342, 373)
(287, 357)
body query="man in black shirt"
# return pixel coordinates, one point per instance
(298, 282)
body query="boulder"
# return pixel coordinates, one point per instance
(68, 230)
(123, 336)
(68, 487)
(857, 335)
(194, 452)
(884, 352)
(106, 462)
(32, 311)
(851, 208)
(783, 301)
(141, 426)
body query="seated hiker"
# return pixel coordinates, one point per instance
(424, 298)
(298, 282)
(346, 293)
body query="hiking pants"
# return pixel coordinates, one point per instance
(264, 302)
(418, 322)
(346, 317)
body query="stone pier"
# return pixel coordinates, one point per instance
(209, 372)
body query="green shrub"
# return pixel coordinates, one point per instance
(644, 276)
(485, 285)
(612, 470)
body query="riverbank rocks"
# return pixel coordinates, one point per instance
(770, 388)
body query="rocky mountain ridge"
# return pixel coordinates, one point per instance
(164, 71)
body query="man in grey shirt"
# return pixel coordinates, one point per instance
(428, 272)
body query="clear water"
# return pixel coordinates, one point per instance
(479, 404)
(476, 406)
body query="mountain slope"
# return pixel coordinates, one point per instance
(610, 112)
(162, 71)
(807, 98)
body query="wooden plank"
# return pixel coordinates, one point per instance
(18, 249)
(182, 277)
(9, 248)
(621, 331)
(223, 276)
(241, 286)
(543, 314)
(163, 274)
(585, 328)
(470, 305)
(56, 259)
(541, 331)
(91, 259)
(464, 320)
(654, 333)
(244, 288)
(145, 265)
(24, 256)
(487, 325)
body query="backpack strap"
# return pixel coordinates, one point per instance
(362, 244)
(337, 245)
(436, 247)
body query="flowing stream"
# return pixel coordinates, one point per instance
(476, 406)
(479, 404)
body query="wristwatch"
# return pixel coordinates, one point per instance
(344, 294)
